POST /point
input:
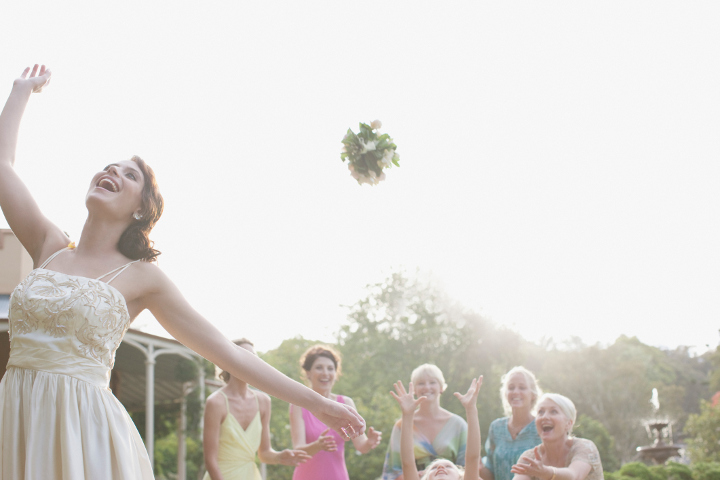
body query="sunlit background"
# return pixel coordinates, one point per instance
(559, 160)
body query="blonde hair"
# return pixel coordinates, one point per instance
(566, 406)
(429, 370)
(529, 379)
(426, 475)
(222, 374)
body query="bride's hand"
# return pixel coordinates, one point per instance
(341, 418)
(37, 79)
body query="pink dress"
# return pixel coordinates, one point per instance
(323, 465)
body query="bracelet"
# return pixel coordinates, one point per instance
(554, 473)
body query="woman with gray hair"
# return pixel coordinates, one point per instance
(561, 456)
(510, 436)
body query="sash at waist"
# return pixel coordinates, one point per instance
(52, 361)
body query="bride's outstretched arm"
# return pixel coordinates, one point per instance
(20, 209)
(176, 315)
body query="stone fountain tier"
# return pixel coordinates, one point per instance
(658, 452)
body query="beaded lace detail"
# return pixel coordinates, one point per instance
(61, 305)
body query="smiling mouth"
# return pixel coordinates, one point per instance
(547, 428)
(108, 185)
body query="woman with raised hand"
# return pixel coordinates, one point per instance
(510, 436)
(437, 433)
(560, 456)
(236, 427)
(58, 419)
(321, 366)
(440, 468)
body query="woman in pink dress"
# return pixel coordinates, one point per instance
(321, 366)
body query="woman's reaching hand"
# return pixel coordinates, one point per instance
(470, 398)
(406, 399)
(39, 78)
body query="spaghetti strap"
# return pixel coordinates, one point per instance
(227, 405)
(49, 259)
(119, 270)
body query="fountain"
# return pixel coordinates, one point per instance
(659, 451)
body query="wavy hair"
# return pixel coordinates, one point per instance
(313, 353)
(135, 241)
(532, 384)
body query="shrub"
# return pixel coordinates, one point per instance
(637, 470)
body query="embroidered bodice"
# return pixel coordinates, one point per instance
(66, 324)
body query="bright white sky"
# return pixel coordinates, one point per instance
(560, 160)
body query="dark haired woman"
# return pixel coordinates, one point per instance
(236, 426)
(58, 420)
(321, 366)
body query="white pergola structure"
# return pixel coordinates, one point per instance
(161, 390)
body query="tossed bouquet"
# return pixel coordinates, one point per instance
(368, 153)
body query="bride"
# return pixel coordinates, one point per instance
(58, 419)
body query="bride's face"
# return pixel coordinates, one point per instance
(117, 189)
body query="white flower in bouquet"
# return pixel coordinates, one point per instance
(368, 147)
(376, 124)
(388, 155)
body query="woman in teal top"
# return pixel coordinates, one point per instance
(510, 436)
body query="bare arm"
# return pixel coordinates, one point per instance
(485, 473)
(19, 207)
(176, 315)
(472, 449)
(299, 440)
(408, 405)
(528, 467)
(367, 441)
(266, 453)
(214, 415)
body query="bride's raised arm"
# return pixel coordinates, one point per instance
(21, 211)
(175, 314)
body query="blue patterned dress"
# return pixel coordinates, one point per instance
(503, 452)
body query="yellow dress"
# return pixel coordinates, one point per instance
(237, 447)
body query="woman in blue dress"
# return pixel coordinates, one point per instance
(512, 435)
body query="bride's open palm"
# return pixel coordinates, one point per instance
(38, 79)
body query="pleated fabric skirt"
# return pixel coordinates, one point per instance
(58, 427)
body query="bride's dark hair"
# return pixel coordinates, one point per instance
(135, 243)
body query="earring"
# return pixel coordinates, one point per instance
(137, 216)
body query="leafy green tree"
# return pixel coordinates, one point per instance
(404, 322)
(703, 430)
(613, 385)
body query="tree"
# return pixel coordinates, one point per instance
(703, 430)
(402, 323)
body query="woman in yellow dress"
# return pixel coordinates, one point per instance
(237, 425)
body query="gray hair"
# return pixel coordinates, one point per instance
(566, 406)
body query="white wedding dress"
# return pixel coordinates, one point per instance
(58, 418)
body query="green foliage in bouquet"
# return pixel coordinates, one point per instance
(368, 153)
